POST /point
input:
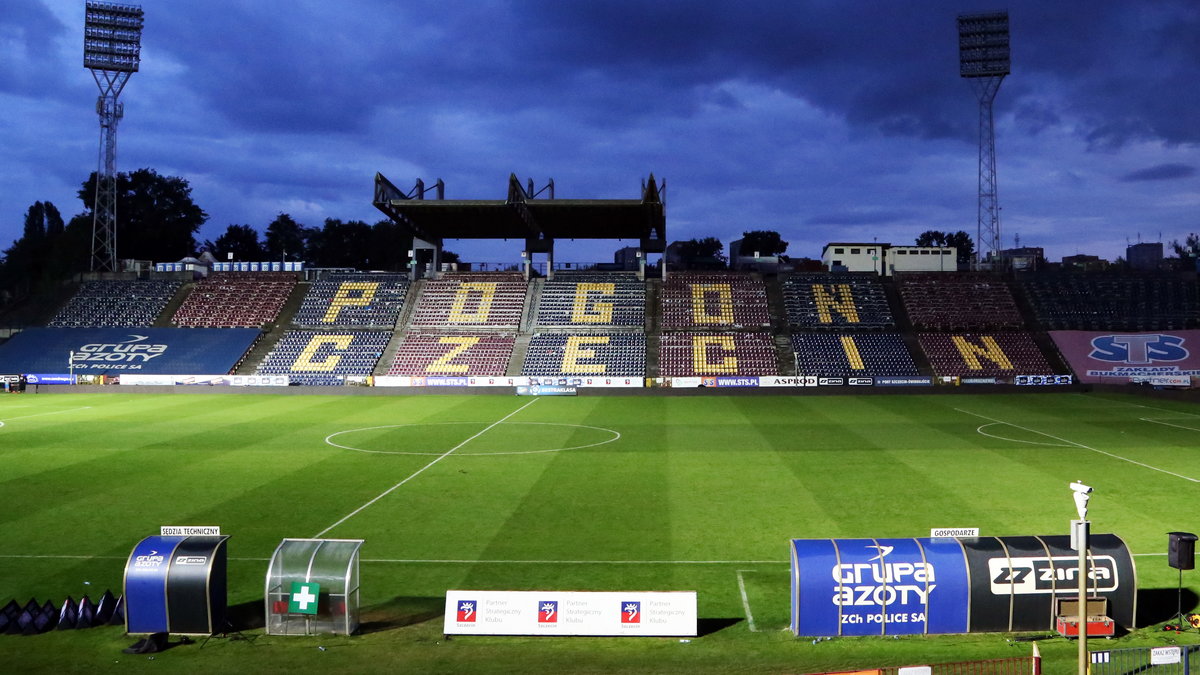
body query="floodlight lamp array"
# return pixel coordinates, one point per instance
(983, 47)
(112, 37)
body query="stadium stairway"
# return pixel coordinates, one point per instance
(1054, 357)
(164, 317)
(653, 307)
(1037, 331)
(785, 355)
(263, 346)
(777, 306)
(652, 357)
(905, 326)
(288, 312)
(403, 323)
(404, 320)
(533, 296)
(520, 349)
(652, 327)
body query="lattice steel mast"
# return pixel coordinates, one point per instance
(983, 58)
(112, 43)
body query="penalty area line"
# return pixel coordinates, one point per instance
(1081, 446)
(421, 470)
(746, 601)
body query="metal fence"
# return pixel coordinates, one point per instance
(1172, 660)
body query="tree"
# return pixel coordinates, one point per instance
(342, 244)
(287, 239)
(391, 245)
(240, 240)
(1189, 249)
(964, 244)
(41, 255)
(766, 242)
(156, 217)
(701, 253)
(931, 238)
(959, 240)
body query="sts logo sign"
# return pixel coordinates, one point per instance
(1141, 349)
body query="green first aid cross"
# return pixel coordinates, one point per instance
(303, 599)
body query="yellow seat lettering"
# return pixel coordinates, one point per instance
(584, 309)
(712, 304)
(308, 360)
(480, 295)
(350, 294)
(576, 351)
(460, 344)
(834, 298)
(850, 348)
(988, 349)
(703, 360)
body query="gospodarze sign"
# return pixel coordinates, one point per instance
(635, 613)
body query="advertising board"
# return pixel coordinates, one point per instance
(600, 613)
(47, 378)
(117, 351)
(904, 381)
(1099, 356)
(949, 584)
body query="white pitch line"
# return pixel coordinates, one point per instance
(1167, 424)
(980, 430)
(415, 561)
(1147, 407)
(746, 601)
(576, 562)
(418, 472)
(1081, 445)
(45, 413)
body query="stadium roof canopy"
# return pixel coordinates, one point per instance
(523, 217)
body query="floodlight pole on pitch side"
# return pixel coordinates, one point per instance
(112, 44)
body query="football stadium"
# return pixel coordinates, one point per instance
(245, 466)
(888, 461)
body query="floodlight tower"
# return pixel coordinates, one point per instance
(983, 58)
(112, 45)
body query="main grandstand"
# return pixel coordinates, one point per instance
(649, 326)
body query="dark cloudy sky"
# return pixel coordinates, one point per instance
(826, 120)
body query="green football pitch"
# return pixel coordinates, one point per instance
(597, 493)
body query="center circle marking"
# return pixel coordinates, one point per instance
(615, 435)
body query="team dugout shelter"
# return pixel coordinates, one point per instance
(535, 217)
(312, 587)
